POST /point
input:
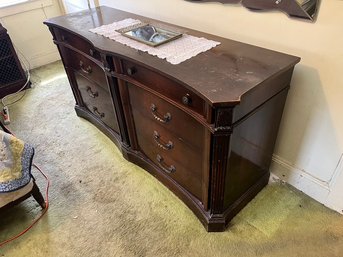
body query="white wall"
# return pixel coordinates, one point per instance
(76, 5)
(310, 142)
(24, 23)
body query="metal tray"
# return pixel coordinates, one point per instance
(149, 34)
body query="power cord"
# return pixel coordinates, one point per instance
(42, 214)
(5, 115)
(21, 89)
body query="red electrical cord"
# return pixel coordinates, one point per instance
(43, 213)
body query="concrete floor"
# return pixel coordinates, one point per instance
(101, 205)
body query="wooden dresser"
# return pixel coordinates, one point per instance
(205, 128)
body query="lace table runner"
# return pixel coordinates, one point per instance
(174, 52)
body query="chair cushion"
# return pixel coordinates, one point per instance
(15, 163)
(6, 198)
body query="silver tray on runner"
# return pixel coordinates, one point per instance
(149, 34)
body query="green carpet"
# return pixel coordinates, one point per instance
(102, 205)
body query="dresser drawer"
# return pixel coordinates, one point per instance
(98, 101)
(77, 42)
(165, 86)
(168, 116)
(87, 68)
(170, 138)
(178, 160)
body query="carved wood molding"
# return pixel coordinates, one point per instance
(303, 9)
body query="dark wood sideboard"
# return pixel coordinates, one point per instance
(205, 128)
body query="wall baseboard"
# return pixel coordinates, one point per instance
(328, 193)
(42, 60)
(335, 203)
(305, 182)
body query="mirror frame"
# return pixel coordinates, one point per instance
(291, 7)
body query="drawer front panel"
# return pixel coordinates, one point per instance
(87, 68)
(164, 86)
(155, 109)
(162, 141)
(171, 145)
(98, 101)
(77, 42)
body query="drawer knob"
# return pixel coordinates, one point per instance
(160, 143)
(166, 118)
(168, 169)
(130, 71)
(91, 93)
(87, 70)
(91, 52)
(63, 38)
(101, 115)
(186, 99)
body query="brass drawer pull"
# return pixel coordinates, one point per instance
(131, 71)
(166, 118)
(97, 113)
(186, 99)
(91, 93)
(165, 146)
(168, 169)
(87, 70)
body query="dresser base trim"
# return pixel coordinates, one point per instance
(212, 223)
(219, 222)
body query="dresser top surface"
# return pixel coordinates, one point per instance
(221, 75)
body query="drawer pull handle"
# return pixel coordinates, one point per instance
(168, 169)
(87, 70)
(130, 71)
(91, 93)
(99, 114)
(166, 118)
(165, 146)
(187, 100)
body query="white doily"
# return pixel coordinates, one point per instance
(174, 52)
